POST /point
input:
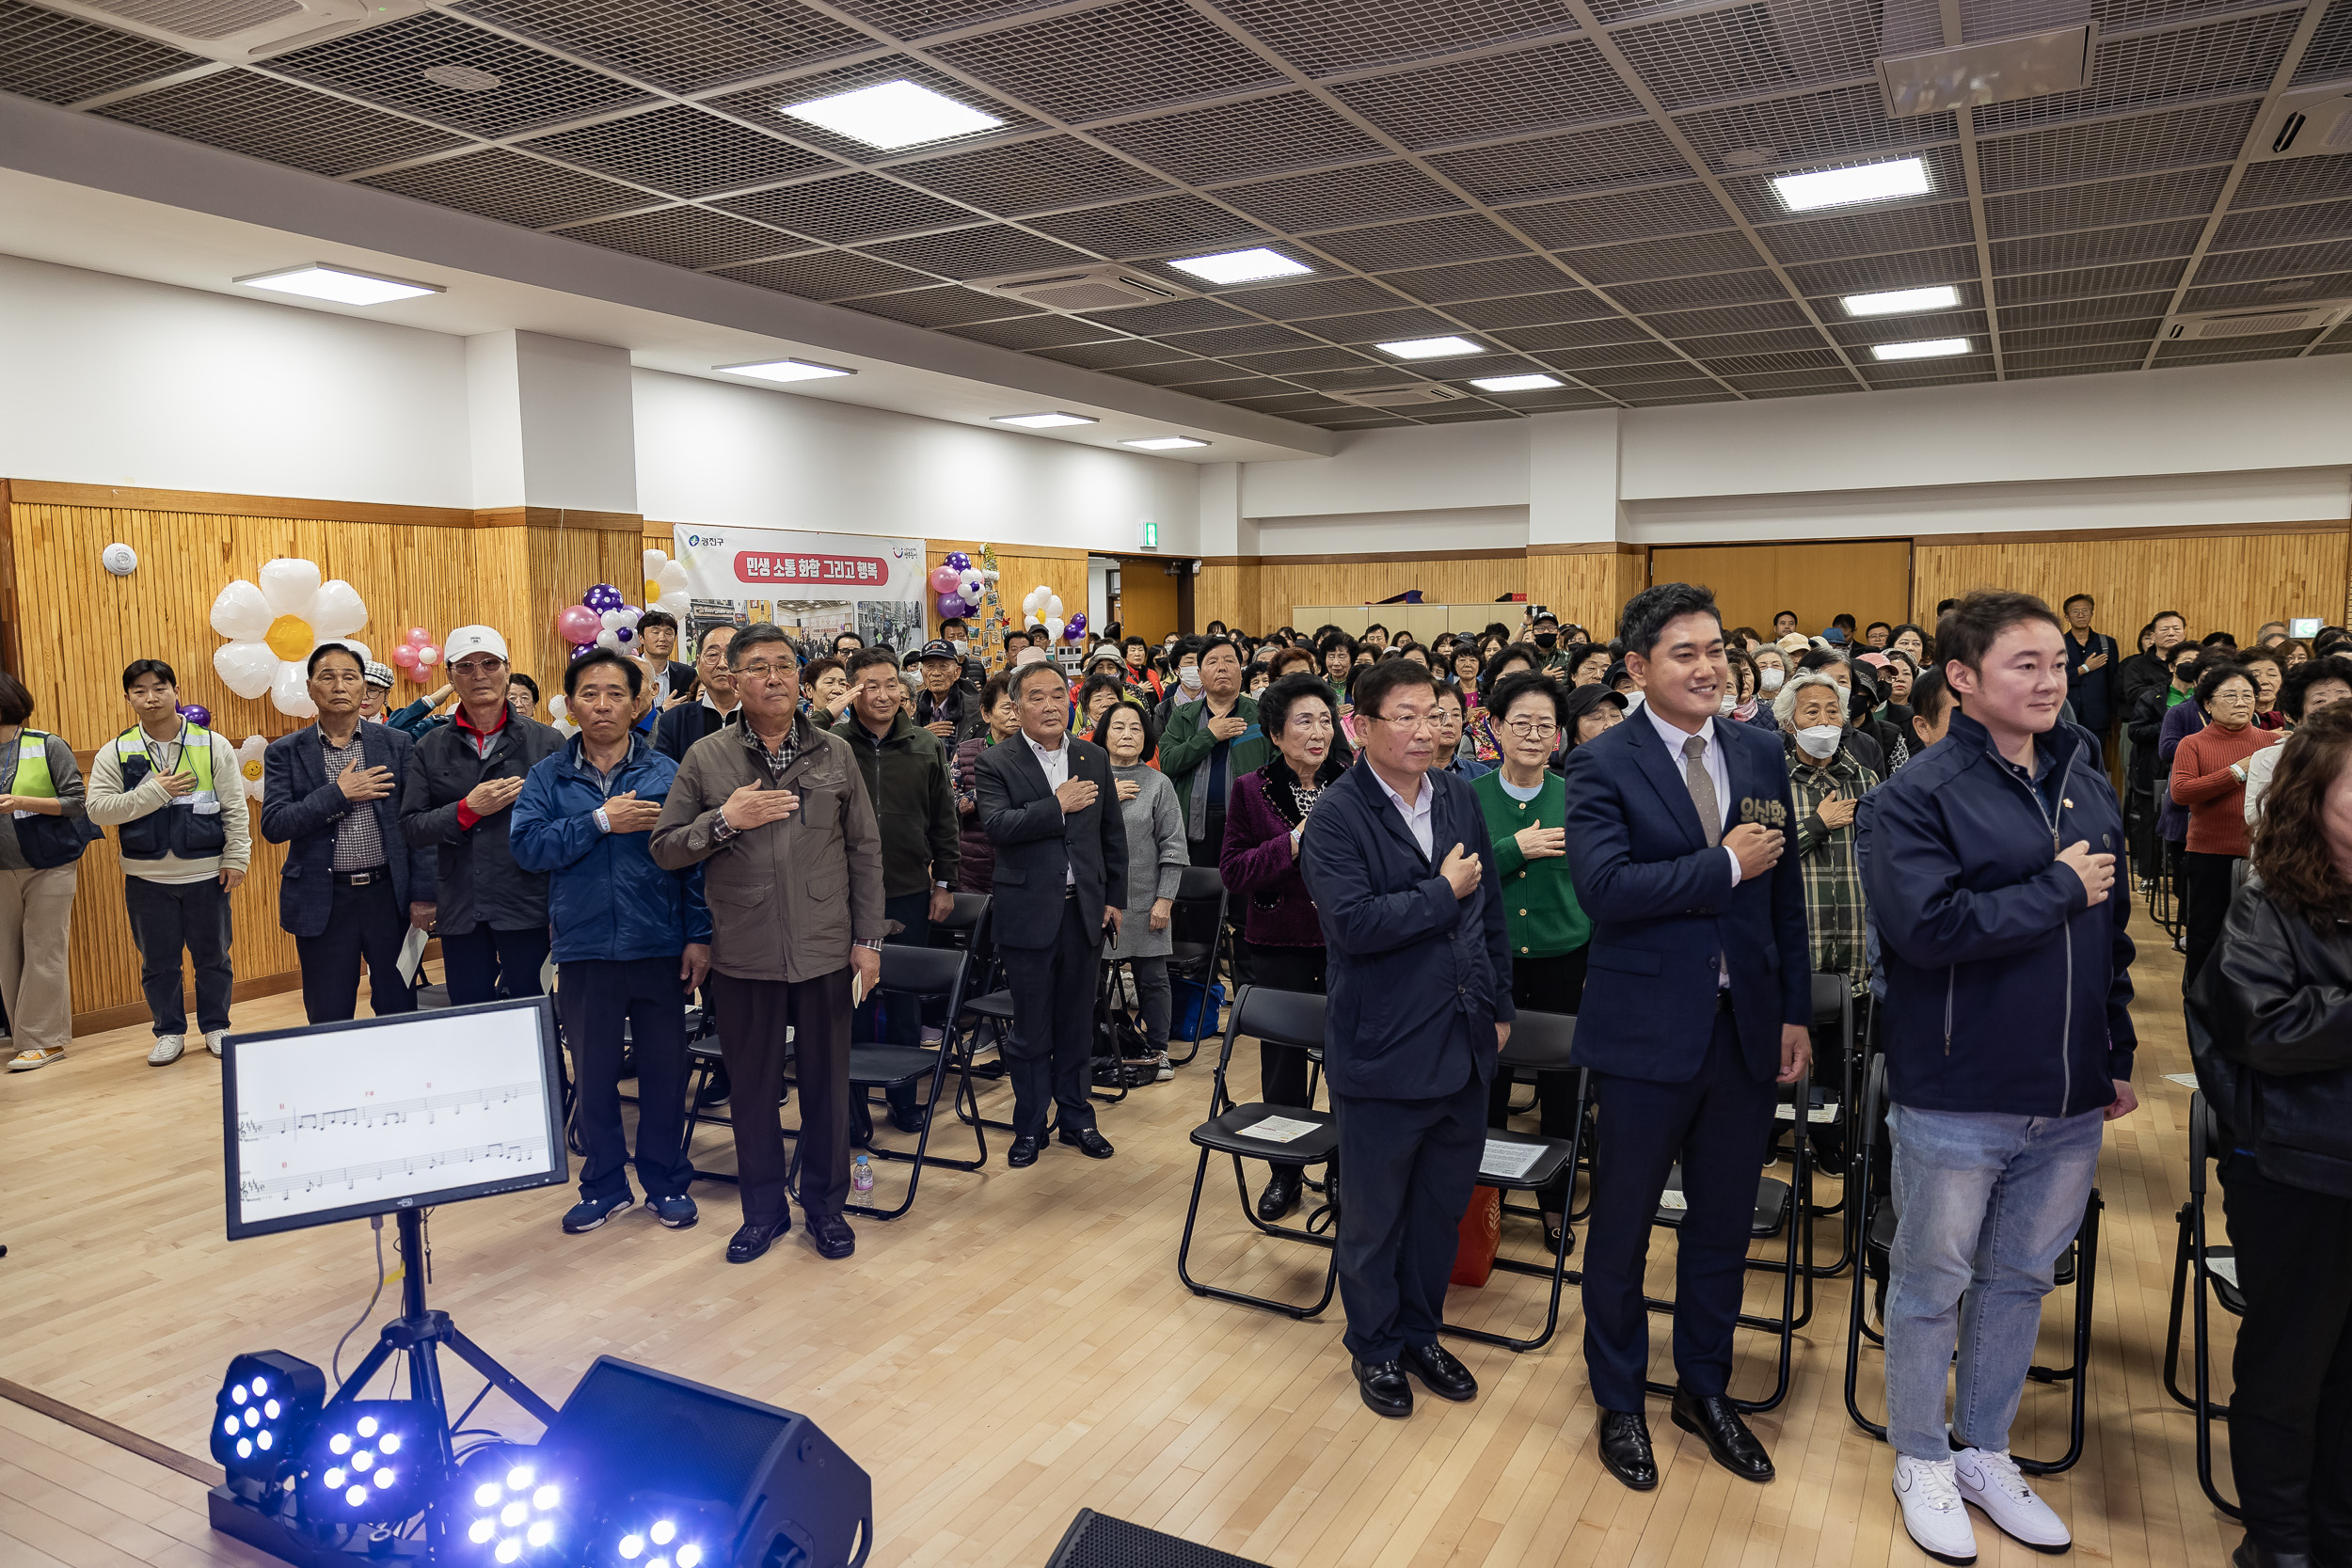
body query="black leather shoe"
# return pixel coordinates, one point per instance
(1559, 1238)
(752, 1240)
(1624, 1450)
(1735, 1448)
(909, 1119)
(1384, 1388)
(1282, 1194)
(2250, 1555)
(1089, 1143)
(1440, 1373)
(832, 1236)
(1022, 1152)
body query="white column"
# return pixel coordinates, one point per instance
(551, 422)
(1572, 484)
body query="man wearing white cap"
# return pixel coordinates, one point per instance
(491, 914)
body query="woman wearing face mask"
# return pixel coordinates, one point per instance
(2209, 780)
(1741, 700)
(1260, 863)
(1157, 857)
(975, 864)
(1827, 780)
(1772, 672)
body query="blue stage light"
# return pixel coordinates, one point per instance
(649, 1529)
(263, 1412)
(511, 1506)
(370, 1461)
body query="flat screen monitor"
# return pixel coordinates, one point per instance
(338, 1121)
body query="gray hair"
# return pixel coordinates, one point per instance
(1785, 699)
(755, 636)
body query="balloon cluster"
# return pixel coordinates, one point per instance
(960, 585)
(417, 655)
(602, 619)
(197, 713)
(1044, 608)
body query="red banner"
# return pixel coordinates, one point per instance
(757, 567)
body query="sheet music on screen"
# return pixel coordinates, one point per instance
(399, 1109)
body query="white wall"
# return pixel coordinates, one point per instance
(1472, 528)
(1426, 468)
(112, 380)
(736, 456)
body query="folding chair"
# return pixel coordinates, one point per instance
(1200, 911)
(706, 1058)
(1539, 1042)
(1279, 1018)
(1831, 1105)
(2215, 1271)
(2077, 1266)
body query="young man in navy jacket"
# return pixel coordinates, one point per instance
(2009, 1046)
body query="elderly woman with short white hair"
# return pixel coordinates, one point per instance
(1827, 780)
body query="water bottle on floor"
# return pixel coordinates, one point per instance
(861, 1175)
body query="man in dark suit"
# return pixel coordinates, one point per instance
(707, 713)
(1050, 807)
(1418, 970)
(1698, 999)
(350, 884)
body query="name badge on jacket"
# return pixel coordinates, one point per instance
(1764, 814)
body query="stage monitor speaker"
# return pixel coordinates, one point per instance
(1097, 1540)
(798, 1502)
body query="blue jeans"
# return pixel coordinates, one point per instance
(1988, 1202)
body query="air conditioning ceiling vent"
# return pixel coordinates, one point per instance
(1403, 394)
(2258, 320)
(2309, 122)
(1105, 288)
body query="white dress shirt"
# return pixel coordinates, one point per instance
(1057, 766)
(1415, 812)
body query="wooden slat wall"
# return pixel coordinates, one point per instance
(1586, 588)
(1226, 591)
(1442, 580)
(1869, 579)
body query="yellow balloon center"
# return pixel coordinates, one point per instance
(653, 590)
(253, 769)
(288, 637)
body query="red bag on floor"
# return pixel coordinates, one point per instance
(1482, 1234)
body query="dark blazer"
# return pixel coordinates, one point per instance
(1037, 844)
(301, 808)
(476, 880)
(1404, 957)
(2093, 693)
(1662, 906)
(682, 726)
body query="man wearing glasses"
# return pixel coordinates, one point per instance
(1418, 970)
(682, 726)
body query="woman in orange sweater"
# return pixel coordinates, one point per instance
(2209, 778)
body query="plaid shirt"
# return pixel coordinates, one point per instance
(1826, 855)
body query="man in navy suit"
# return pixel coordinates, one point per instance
(1048, 803)
(1418, 974)
(1698, 999)
(352, 884)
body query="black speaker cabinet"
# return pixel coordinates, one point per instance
(1097, 1540)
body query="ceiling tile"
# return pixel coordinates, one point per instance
(2088, 282)
(387, 65)
(948, 306)
(1289, 361)
(986, 251)
(2282, 180)
(1513, 275)
(63, 59)
(1362, 193)
(1176, 315)
(1906, 330)
(915, 19)
(1386, 326)
(1836, 125)
(1154, 225)
(2141, 332)
(1465, 237)
(1555, 85)
(1724, 346)
(680, 151)
(1607, 357)
(1746, 318)
(1558, 336)
(1677, 258)
(1102, 357)
(1747, 51)
(827, 275)
(2284, 261)
(1324, 37)
(1909, 269)
(2315, 220)
(1763, 364)
(1255, 338)
(1232, 141)
(264, 118)
(495, 183)
(2241, 350)
(1032, 332)
(1911, 227)
(2329, 55)
(2073, 312)
(2175, 139)
(1685, 209)
(2140, 198)
(684, 237)
(1226, 386)
(1167, 373)
(1560, 305)
(1016, 178)
(679, 46)
(1299, 301)
(1630, 153)
(1131, 54)
(2277, 291)
(1793, 383)
(2095, 247)
(2111, 356)
(848, 208)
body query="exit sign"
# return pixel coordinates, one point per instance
(1150, 531)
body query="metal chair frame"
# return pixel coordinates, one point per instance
(2194, 1254)
(1197, 886)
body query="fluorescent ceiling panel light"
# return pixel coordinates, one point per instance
(1430, 348)
(319, 280)
(892, 115)
(1241, 267)
(1514, 383)
(1900, 302)
(1041, 422)
(1164, 443)
(784, 370)
(1841, 187)
(1927, 348)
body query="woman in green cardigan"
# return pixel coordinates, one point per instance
(1527, 806)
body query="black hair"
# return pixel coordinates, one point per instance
(1842, 619)
(1525, 683)
(16, 704)
(1943, 607)
(953, 621)
(596, 656)
(1649, 613)
(1579, 654)
(1375, 626)
(1021, 675)
(1331, 640)
(657, 618)
(2330, 639)
(1371, 687)
(154, 667)
(1738, 659)
(865, 658)
(2072, 599)
(1821, 658)
(1100, 681)
(2210, 680)
(2218, 639)
(515, 677)
(1931, 694)
(1873, 627)
(1218, 628)
(2173, 614)
(312, 667)
(1492, 670)
(1916, 629)
(1276, 702)
(1209, 644)
(1133, 640)
(1778, 613)
(995, 688)
(1977, 621)
(2303, 677)
(1143, 715)
(839, 635)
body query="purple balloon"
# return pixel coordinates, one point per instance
(957, 559)
(603, 596)
(1078, 621)
(196, 713)
(951, 606)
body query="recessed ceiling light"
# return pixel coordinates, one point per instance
(892, 115)
(319, 280)
(1164, 443)
(1241, 267)
(1927, 348)
(1514, 383)
(1839, 187)
(1897, 302)
(1041, 422)
(784, 370)
(1429, 348)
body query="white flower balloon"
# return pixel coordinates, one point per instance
(249, 763)
(665, 582)
(272, 627)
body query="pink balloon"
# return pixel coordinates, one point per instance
(577, 623)
(418, 634)
(405, 656)
(944, 578)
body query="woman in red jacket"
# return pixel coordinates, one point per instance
(2209, 779)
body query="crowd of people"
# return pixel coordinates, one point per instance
(1665, 833)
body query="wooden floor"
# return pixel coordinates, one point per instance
(1017, 1347)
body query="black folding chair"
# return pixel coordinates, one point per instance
(705, 1059)
(1540, 1042)
(1200, 912)
(2214, 1271)
(1278, 1018)
(1830, 1105)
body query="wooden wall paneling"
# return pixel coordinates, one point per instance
(1285, 584)
(1148, 597)
(1020, 568)
(1869, 579)
(1228, 591)
(1584, 587)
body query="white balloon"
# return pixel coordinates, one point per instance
(655, 560)
(970, 586)
(1053, 607)
(608, 639)
(556, 706)
(244, 668)
(629, 615)
(287, 583)
(1053, 625)
(335, 611)
(355, 645)
(614, 620)
(242, 614)
(290, 692)
(427, 656)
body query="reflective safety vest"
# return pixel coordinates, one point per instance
(189, 827)
(45, 841)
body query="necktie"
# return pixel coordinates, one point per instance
(1702, 786)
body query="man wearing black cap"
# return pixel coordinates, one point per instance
(947, 706)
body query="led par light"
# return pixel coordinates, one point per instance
(508, 1507)
(370, 1461)
(653, 1531)
(263, 1412)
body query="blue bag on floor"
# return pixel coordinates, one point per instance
(1190, 1021)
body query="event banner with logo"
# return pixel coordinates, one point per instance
(813, 585)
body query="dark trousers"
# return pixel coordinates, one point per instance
(1715, 1125)
(753, 1016)
(483, 964)
(2208, 879)
(904, 1025)
(2291, 1409)
(364, 921)
(597, 997)
(1282, 1069)
(166, 918)
(1052, 1043)
(1547, 985)
(1410, 1166)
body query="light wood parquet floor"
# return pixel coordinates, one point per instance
(1016, 1349)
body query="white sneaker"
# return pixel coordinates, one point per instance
(1989, 1478)
(213, 1039)
(1932, 1511)
(168, 1048)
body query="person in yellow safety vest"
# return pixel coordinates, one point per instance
(173, 794)
(38, 876)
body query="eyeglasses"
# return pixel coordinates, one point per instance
(765, 670)
(1531, 729)
(1405, 724)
